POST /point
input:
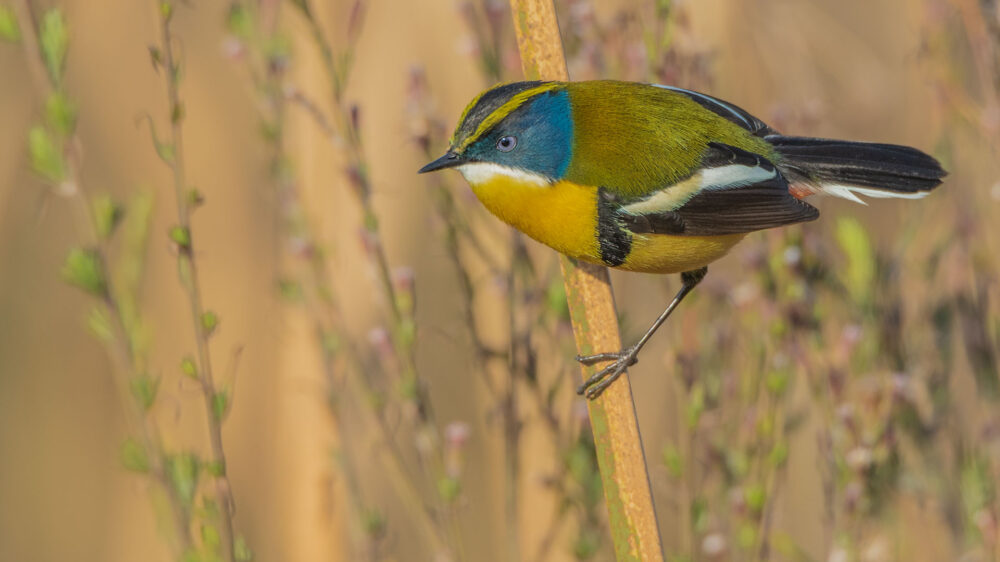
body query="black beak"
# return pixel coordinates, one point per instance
(449, 160)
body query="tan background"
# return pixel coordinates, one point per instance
(63, 495)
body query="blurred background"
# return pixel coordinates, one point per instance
(324, 356)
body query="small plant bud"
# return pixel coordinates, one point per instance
(194, 199)
(46, 157)
(233, 48)
(60, 113)
(355, 116)
(181, 236)
(83, 269)
(9, 30)
(220, 405)
(456, 434)
(373, 522)
(182, 470)
(379, 339)
(155, 57)
(144, 389)
(177, 113)
(239, 22)
(449, 488)
(107, 215)
(133, 456)
(189, 367)
(53, 38)
(209, 322)
(241, 550)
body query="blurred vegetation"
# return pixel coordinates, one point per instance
(829, 393)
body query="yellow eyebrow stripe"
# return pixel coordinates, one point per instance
(516, 101)
(465, 112)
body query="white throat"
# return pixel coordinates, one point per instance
(482, 172)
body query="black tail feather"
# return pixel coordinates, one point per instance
(880, 167)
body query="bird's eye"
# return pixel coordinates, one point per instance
(506, 144)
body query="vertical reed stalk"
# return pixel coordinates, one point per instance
(128, 366)
(439, 523)
(592, 309)
(202, 321)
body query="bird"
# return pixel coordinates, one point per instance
(656, 179)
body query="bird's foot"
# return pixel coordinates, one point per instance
(601, 380)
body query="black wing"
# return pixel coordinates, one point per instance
(748, 194)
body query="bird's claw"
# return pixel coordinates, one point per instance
(601, 380)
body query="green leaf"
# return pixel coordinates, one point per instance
(60, 113)
(586, 545)
(695, 406)
(976, 484)
(210, 537)
(177, 113)
(194, 198)
(46, 155)
(856, 245)
(215, 468)
(241, 550)
(166, 10)
(209, 322)
(373, 522)
(777, 382)
(673, 460)
(239, 22)
(107, 215)
(755, 497)
(164, 149)
(144, 388)
(699, 513)
(449, 488)
(290, 290)
(189, 367)
(53, 38)
(9, 30)
(180, 236)
(220, 404)
(779, 454)
(100, 324)
(746, 537)
(83, 269)
(304, 6)
(133, 456)
(155, 57)
(182, 469)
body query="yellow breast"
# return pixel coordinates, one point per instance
(563, 216)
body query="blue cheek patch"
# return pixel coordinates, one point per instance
(549, 140)
(544, 131)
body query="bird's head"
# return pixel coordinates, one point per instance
(516, 128)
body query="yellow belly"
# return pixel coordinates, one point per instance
(563, 216)
(662, 253)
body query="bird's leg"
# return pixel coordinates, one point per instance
(599, 381)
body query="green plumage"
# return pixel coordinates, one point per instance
(635, 139)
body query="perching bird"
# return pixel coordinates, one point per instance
(655, 179)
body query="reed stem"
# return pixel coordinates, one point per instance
(592, 309)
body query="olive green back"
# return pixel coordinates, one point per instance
(634, 139)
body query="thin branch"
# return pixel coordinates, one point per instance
(118, 346)
(171, 74)
(588, 290)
